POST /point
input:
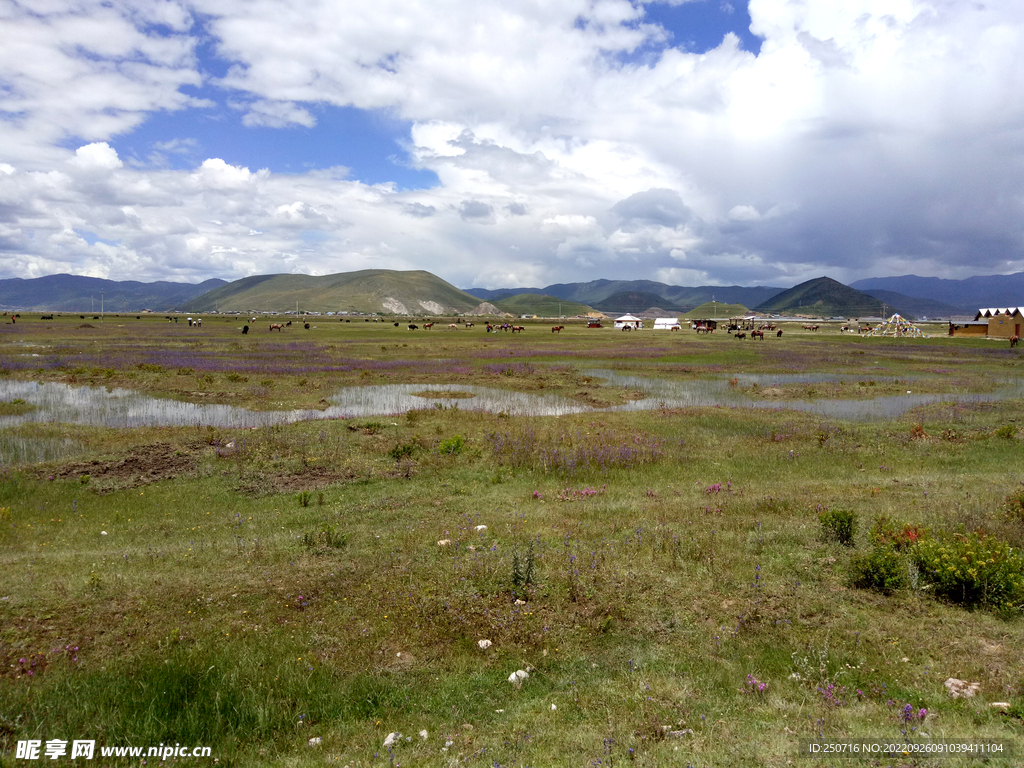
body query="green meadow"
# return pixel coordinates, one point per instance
(681, 585)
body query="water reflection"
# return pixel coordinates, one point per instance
(97, 406)
(15, 449)
(711, 392)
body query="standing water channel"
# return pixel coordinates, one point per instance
(121, 408)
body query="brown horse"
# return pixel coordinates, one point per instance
(557, 328)
(276, 327)
(519, 328)
(1013, 340)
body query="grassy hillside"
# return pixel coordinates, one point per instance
(634, 301)
(77, 293)
(823, 297)
(369, 290)
(716, 309)
(541, 305)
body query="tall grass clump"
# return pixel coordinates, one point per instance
(567, 453)
(838, 525)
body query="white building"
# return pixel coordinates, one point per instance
(666, 323)
(628, 321)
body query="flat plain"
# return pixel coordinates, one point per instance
(705, 585)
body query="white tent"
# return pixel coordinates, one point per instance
(628, 320)
(666, 323)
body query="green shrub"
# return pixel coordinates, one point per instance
(304, 498)
(894, 533)
(882, 569)
(1007, 431)
(1014, 504)
(452, 446)
(402, 451)
(973, 570)
(838, 525)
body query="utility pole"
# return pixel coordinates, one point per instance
(101, 306)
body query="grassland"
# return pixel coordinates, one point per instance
(663, 576)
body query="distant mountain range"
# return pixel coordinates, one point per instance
(422, 293)
(967, 295)
(614, 295)
(75, 293)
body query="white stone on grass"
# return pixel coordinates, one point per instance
(484, 644)
(391, 738)
(315, 741)
(517, 677)
(961, 688)
(480, 528)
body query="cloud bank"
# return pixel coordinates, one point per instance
(571, 139)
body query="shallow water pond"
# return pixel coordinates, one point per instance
(97, 406)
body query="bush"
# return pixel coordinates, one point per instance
(403, 451)
(973, 570)
(838, 525)
(1007, 431)
(452, 446)
(1014, 504)
(895, 533)
(882, 569)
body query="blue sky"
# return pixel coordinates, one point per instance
(372, 144)
(500, 144)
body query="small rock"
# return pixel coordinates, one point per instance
(904, 659)
(424, 734)
(961, 688)
(517, 677)
(679, 734)
(1002, 706)
(315, 741)
(471, 548)
(553, 707)
(480, 528)
(103, 533)
(391, 739)
(519, 602)
(484, 644)
(444, 542)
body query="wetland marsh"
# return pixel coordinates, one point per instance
(288, 547)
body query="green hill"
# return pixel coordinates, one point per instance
(541, 305)
(368, 290)
(711, 310)
(633, 302)
(823, 297)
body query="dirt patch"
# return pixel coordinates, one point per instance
(317, 478)
(145, 464)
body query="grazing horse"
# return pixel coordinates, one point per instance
(1013, 340)
(453, 327)
(428, 326)
(557, 328)
(413, 327)
(469, 325)
(306, 326)
(779, 334)
(740, 335)
(519, 328)
(757, 335)
(276, 327)
(245, 329)
(289, 323)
